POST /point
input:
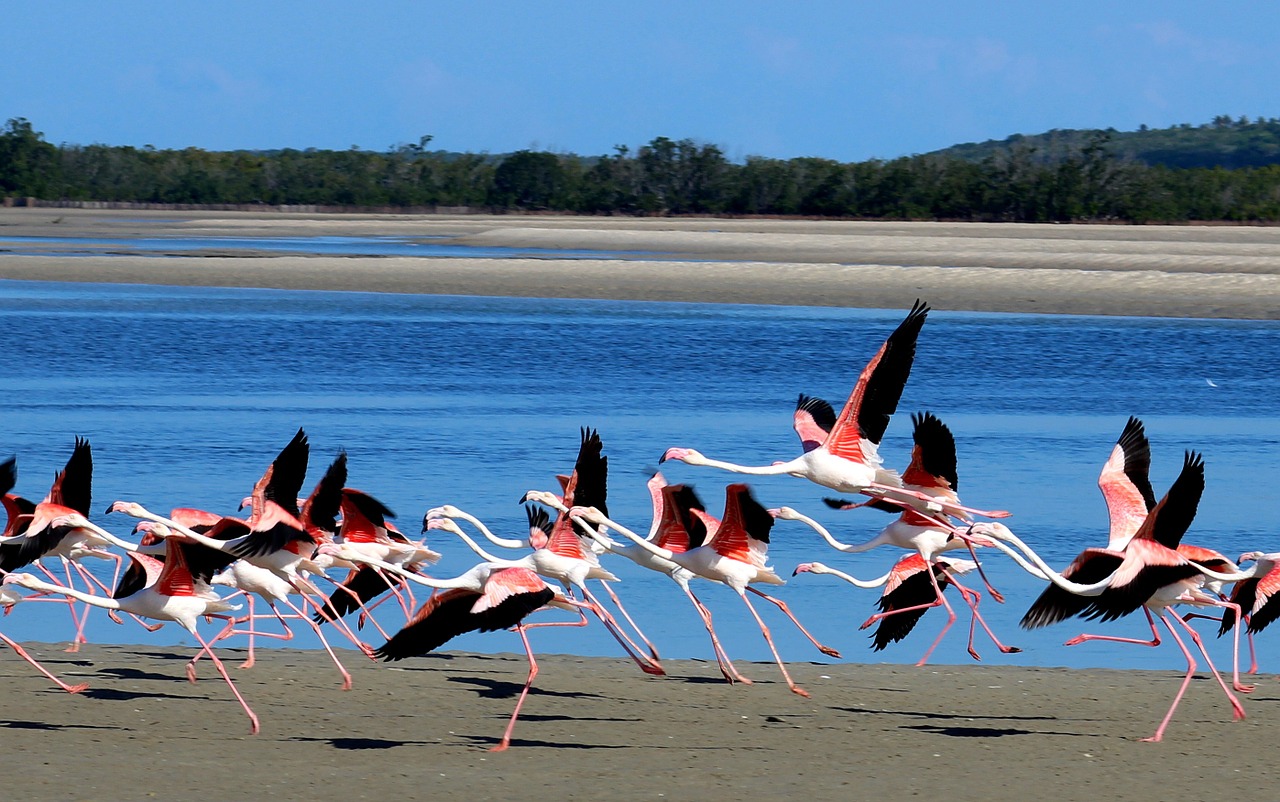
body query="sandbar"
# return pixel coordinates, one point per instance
(1164, 271)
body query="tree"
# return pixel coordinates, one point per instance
(27, 162)
(528, 180)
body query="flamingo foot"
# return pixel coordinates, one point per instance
(83, 686)
(502, 747)
(367, 650)
(974, 654)
(1242, 688)
(829, 652)
(654, 669)
(1010, 650)
(73, 648)
(152, 627)
(191, 672)
(114, 616)
(997, 595)
(1076, 641)
(796, 689)
(1154, 739)
(250, 663)
(1237, 711)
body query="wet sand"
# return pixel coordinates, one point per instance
(597, 728)
(1172, 271)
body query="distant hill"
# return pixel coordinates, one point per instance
(1224, 142)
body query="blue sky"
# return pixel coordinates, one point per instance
(843, 80)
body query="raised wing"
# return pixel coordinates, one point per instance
(1125, 485)
(813, 420)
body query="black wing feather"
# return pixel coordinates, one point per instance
(886, 383)
(1137, 459)
(452, 617)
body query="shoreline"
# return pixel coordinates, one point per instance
(1165, 271)
(596, 726)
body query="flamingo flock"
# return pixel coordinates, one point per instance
(288, 550)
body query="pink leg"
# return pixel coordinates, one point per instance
(653, 652)
(722, 657)
(253, 719)
(939, 601)
(1155, 636)
(901, 495)
(646, 664)
(23, 654)
(977, 617)
(533, 672)
(769, 639)
(827, 650)
(1191, 668)
(364, 610)
(1235, 646)
(319, 607)
(1236, 709)
(346, 677)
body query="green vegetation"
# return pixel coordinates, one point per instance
(1227, 170)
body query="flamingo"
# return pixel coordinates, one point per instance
(907, 589)
(1255, 597)
(735, 555)
(1150, 573)
(1131, 501)
(174, 595)
(676, 528)
(848, 459)
(932, 472)
(505, 597)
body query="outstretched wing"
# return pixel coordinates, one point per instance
(1125, 485)
(875, 397)
(812, 421)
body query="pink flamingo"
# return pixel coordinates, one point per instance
(505, 597)
(735, 555)
(847, 459)
(174, 595)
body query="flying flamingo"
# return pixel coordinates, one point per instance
(1149, 573)
(1130, 500)
(173, 596)
(908, 590)
(735, 555)
(848, 460)
(488, 597)
(1256, 597)
(932, 472)
(676, 528)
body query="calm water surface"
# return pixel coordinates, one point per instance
(188, 393)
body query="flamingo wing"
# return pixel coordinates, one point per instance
(320, 511)
(143, 572)
(812, 421)
(72, 487)
(287, 473)
(744, 531)
(680, 529)
(1125, 484)
(875, 397)
(449, 614)
(933, 457)
(1172, 516)
(1056, 604)
(1147, 567)
(908, 586)
(1264, 608)
(364, 518)
(8, 475)
(588, 485)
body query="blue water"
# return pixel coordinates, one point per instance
(187, 395)
(330, 246)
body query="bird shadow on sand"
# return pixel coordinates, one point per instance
(113, 695)
(943, 716)
(358, 743)
(133, 673)
(500, 689)
(44, 725)
(517, 743)
(984, 732)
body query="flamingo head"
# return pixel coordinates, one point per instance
(444, 511)
(543, 497)
(686, 455)
(810, 568)
(785, 514)
(445, 524)
(130, 508)
(591, 515)
(18, 578)
(1249, 556)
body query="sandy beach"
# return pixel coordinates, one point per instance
(596, 727)
(1173, 271)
